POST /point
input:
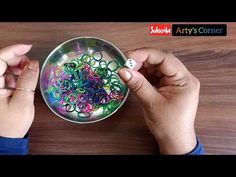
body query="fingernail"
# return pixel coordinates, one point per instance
(124, 74)
(33, 65)
(131, 51)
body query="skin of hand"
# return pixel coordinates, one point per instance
(16, 106)
(169, 94)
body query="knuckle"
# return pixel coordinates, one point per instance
(135, 85)
(169, 55)
(198, 84)
(195, 83)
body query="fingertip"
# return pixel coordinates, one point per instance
(28, 45)
(125, 74)
(134, 50)
(140, 54)
(24, 61)
(33, 65)
(130, 52)
(21, 49)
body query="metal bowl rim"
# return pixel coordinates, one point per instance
(53, 51)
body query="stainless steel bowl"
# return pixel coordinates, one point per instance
(79, 81)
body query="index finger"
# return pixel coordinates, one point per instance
(166, 63)
(12, 55)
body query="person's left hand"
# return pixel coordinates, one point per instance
(17, 94)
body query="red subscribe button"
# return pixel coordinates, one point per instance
(160, 29)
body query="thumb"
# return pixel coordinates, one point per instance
(142, 89)
(27, 80)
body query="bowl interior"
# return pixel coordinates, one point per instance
(79, 80)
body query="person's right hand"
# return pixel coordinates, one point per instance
(170, 102)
